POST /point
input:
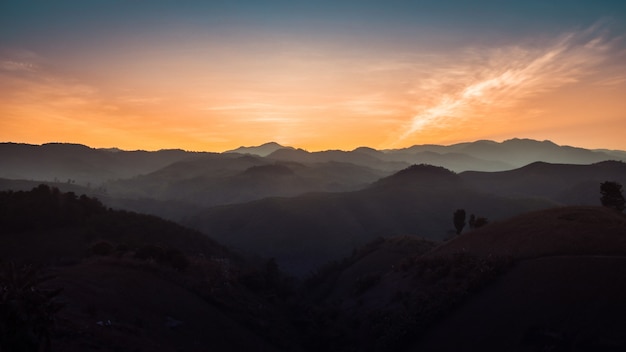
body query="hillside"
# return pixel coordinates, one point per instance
(567, 184)
(542, 280)
(128, 281)
(545, 280)
(234, 178)
(261, 150)
(305, 231)
(80, 164)
(557, 231)
(519, 152)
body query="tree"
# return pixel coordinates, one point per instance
(459, 220)
(26, 310)
(612, 196)
(480, 222)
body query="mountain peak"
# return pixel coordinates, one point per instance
(261, 150)
(416, 175)
(529, 141)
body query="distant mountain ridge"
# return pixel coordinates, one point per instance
(143, 180)
(261, 150)
(79, 163)
(63, 161)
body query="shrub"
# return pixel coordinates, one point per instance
(102, 248)
(150, 252)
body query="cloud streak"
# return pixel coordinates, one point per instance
(501, 78)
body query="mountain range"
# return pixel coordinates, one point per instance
(59, 161)
(304, 208)
(276, 248)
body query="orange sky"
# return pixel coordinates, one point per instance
(569, 87)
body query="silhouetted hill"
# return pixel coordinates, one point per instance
(568, 184)
(305, 231)
(133, 282)
(420, 176)
(563, 292)
(520, 152)
(268, 170)
(261, 150)
(120, 305)
(356, 157)
(544, 280)
(487, 155)
(63, 225)
(557, 231)
(80, 164)
(454, 161)
(233, 178)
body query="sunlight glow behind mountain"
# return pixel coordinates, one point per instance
(215, 76)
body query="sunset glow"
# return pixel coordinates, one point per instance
(387, 76)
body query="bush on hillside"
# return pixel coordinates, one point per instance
(102, 248)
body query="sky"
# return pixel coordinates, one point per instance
(215, 75)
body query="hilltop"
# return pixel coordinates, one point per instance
(542, 280)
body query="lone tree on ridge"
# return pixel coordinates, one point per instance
(459, 220)
(612, 196)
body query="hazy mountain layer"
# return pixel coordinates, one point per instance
(233, 178)
(74, 163)
(304, 231)
(566, 184)
(87, 165)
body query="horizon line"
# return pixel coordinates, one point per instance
(306, 150)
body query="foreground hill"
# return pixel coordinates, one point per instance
(128, 282)
(558, 231)
(564, 293)
(546, 280)
(305, 231)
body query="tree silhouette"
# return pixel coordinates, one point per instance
(612, 196)
(459, 220)
(26, 311)
(480, 222)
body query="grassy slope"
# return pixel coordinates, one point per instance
(536, 281)
(565, 290)
(557, 231)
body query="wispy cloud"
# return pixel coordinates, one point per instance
(502, 77)
(11, 65)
